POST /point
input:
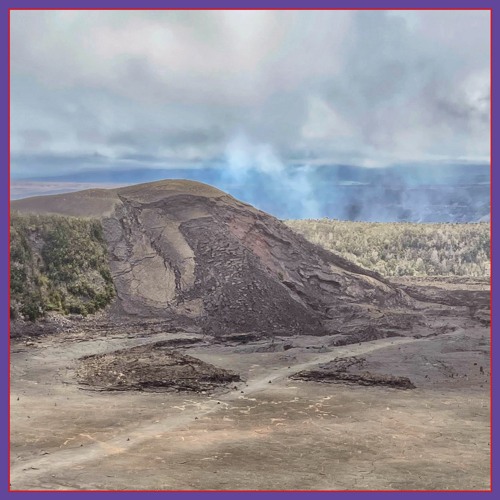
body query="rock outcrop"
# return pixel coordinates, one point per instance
(186, 250)
(352, 371)
(153, 367)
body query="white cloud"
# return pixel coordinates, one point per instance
(361, 87)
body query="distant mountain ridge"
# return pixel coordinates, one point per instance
(407, 193)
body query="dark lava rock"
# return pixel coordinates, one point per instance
(191, 253)
(348, 370)
(152, 367)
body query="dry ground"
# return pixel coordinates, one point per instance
(269, 432)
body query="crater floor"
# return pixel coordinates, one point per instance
(268, 431)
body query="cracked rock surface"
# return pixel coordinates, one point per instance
(153, 367)
(187, 251)
(352, 370)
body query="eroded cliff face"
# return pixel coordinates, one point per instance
(185, 250)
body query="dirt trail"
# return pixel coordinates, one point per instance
(349, 350)
(68, 458)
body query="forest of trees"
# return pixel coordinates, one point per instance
(405, 249)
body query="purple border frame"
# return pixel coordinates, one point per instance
(4, 206)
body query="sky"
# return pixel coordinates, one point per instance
(248, 96)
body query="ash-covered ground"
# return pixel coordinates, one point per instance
(238, 355)
(273, 429)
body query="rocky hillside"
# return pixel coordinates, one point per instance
(182, 249)
(57, 264)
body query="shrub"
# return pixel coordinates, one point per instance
(58, 264)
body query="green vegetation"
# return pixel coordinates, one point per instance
(57, 264)
(405, 249)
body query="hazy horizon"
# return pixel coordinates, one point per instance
(267, 105)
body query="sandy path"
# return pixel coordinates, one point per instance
(65, 458)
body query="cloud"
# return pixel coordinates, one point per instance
(256, 171)
(369, 88)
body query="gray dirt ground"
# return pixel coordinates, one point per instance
(270, 432)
